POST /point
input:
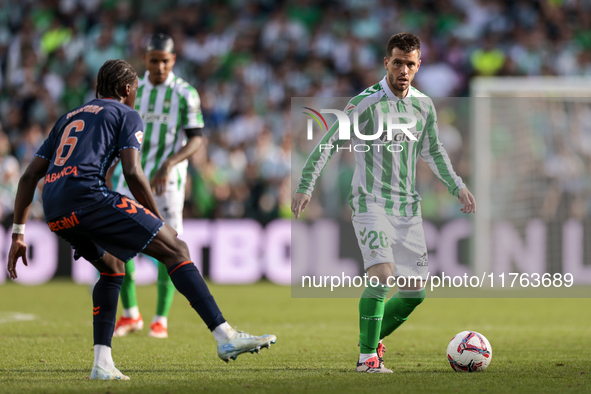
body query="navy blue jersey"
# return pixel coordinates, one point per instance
(80, 148)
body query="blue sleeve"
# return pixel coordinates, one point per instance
(47, 150)
(132, 131)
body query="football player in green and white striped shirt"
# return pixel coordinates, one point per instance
(386, 206)
(170, 109)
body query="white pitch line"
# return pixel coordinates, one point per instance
(11, 317)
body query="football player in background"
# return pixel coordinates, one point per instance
(171, 113)
(106, 227)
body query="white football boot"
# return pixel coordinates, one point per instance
(100, 374)
(243, 342)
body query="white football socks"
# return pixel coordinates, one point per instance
(223, 332)
(363, 357)
(132, 313)
(161, 319)
(102, 357)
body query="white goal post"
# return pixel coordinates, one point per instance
(507, 99)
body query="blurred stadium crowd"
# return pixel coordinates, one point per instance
(247, 58)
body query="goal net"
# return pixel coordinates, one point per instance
(532, 175)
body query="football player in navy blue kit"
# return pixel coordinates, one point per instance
(105, 227)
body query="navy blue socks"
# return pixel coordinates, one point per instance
(105, 297)
(189, 282)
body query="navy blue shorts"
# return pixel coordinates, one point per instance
(119, 225)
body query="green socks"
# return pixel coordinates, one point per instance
(128, 295)
(371, 312)
(398, 308)
(165, 291)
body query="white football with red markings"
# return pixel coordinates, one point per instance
(469, 351)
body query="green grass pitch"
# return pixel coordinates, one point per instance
(539, 345)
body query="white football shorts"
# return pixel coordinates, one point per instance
(171, 203)
(392, 239)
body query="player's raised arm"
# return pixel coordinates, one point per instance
(24, 197)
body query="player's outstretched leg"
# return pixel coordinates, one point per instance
(159, 326)
(105, 297)
(398, 309)
(131, 319)
(173, 253)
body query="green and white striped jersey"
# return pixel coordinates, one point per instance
(167, 110)
(385, 179)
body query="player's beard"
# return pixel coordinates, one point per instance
(394, 85)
